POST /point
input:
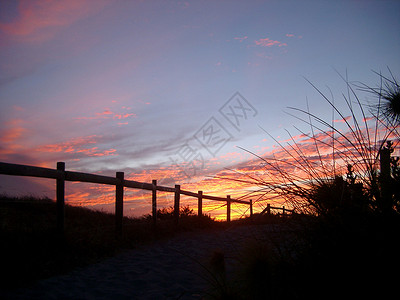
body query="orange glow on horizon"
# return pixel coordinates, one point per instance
(138, 202)
(249, 176)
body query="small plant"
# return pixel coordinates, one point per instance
(333, 195)
(167, 213)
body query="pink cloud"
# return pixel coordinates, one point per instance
(12, 136)
(240, 39)
(72, 145)
(81, 145)
(95, 152)
(342, 120)
(13, 130)
(128, 115)
(123, 116)
(108, 114)
(40, 20)
(290, 35)
(269, 43)
(368, 119)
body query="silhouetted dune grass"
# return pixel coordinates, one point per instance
(350, 183)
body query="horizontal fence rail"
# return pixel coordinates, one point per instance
(61, 175)
(22, 170)
(284, 210)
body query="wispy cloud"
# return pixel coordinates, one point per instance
(123, 116)
(11, 137)
(291, 35)
(240, 39)
(11, 131)
(41, 19)
(345, 119)
(107, 114)
(82, 146)
(267, 42)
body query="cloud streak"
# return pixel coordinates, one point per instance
(40, 20)
(12, 131)
(107, 114)
(267, 42)
(241, 39)
(79, 147)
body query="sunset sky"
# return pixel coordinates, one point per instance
(169, 90)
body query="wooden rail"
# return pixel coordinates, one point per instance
(267, 210)
(61, 175)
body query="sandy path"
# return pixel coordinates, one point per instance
(163, 270)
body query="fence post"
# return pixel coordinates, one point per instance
(228, 209)
(154, 201)
(119, 202)
(283, 210)
(251, 208)
(176, 202)
(268, 209)
(384, 159)
(60, 192)
(200, 203)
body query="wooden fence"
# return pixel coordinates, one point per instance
(284, 210)
(61, 175)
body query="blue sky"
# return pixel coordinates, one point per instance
(122, 85)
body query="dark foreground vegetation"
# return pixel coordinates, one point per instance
(332, 257)
(348, 179)
(31, 248)
(336, 255)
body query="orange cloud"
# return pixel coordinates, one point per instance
(94, 151)
(78, 145)
(69, 146)
(124, 116)
(108, 114)
(13, 130)
(11, 136)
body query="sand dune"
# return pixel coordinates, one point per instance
(168, 269)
